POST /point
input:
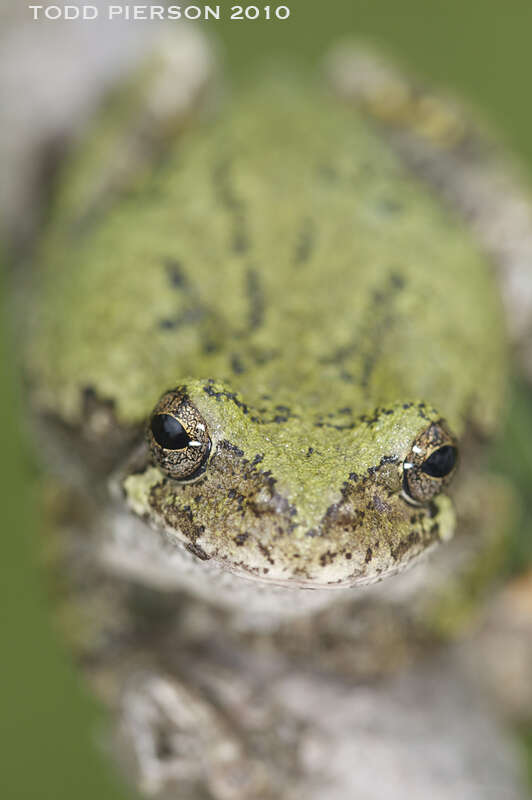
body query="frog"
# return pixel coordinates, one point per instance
(264, 351)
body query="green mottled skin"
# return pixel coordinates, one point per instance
(320, 309)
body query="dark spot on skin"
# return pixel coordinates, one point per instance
(265, 552)
(233, 449)
(348, 556)
(176, 276)
(305, 242)
(220, 395)
(379, 323)
(398, 281)
(240, 242)
(384, 460)
(389, 205)
(241, 538)
(292, 525)
(349, 426)
(197, 551)
(257, 459)
(421, 408)
(90, 398)
(388, 460)
(209, 347)
(190, 316)
(167, 324)
(309, 452)
(223, 394)
(327, 558)
(369, 555)
(413, 538)
(327, 173)
(263, 356)
(227, 197)
(236, 364)
(339, 355)
(379, 504)
(381, 327)
(256, 301)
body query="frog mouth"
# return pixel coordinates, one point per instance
(367, 534)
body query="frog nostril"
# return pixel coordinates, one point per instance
(441, 462)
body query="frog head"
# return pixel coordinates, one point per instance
(292, 498)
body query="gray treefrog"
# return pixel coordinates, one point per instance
(269, 353)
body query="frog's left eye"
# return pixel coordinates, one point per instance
(430, 464)
(178, 437)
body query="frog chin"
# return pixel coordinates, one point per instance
(160, 556)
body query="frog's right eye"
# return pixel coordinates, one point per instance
(430, 464)
(178, 437)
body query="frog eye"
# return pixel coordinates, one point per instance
(430, 464)
(178, 437)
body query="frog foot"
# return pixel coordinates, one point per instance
(176, 738)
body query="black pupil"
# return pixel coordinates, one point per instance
(169, 433)
(440, 462)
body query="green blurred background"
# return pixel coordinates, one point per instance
(49, 725)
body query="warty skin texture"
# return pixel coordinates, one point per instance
(314, 302)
